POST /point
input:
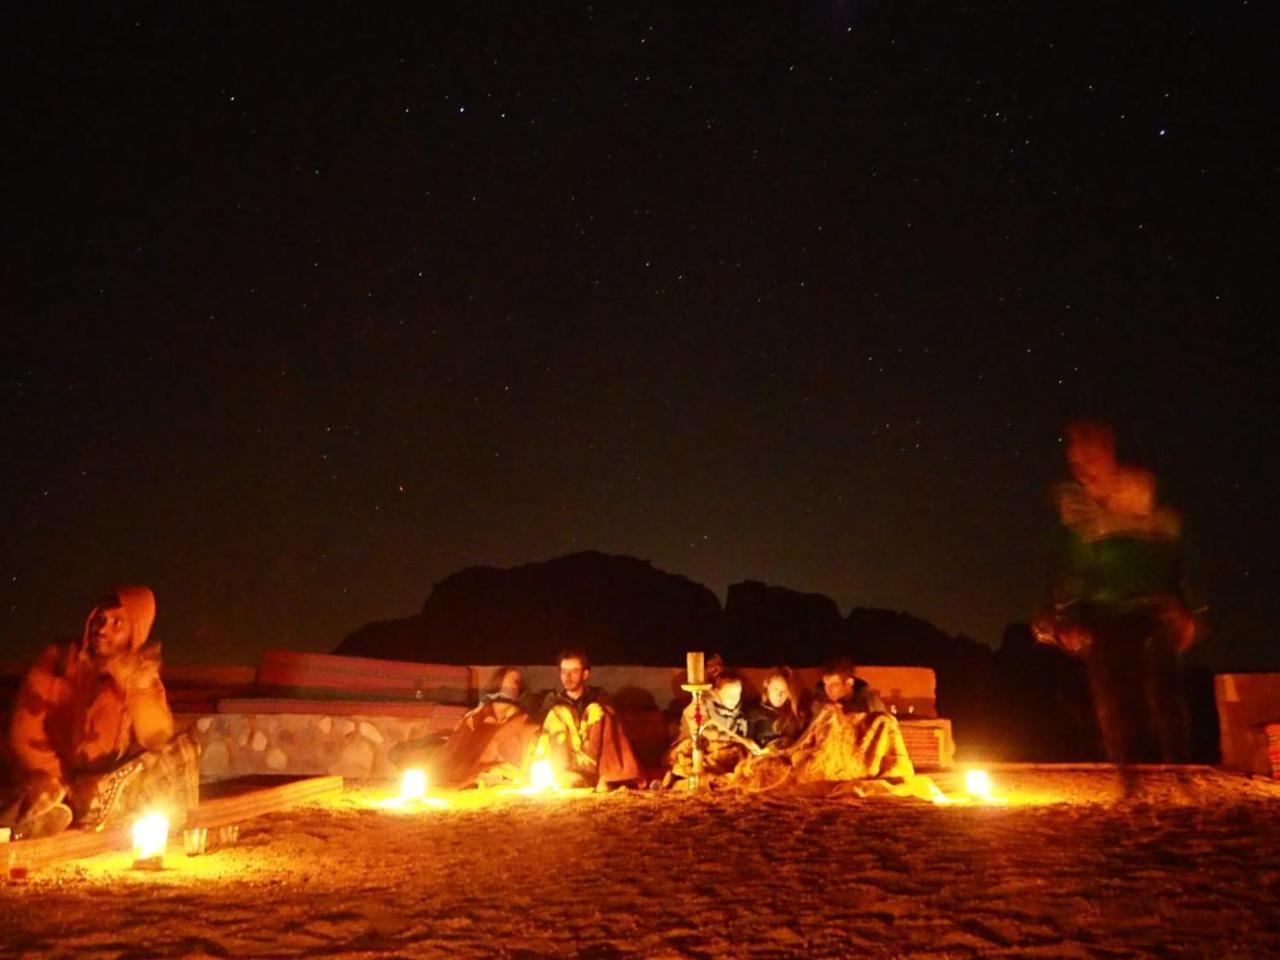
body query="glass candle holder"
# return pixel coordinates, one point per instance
(195, 840)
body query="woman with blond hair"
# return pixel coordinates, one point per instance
(777, 719)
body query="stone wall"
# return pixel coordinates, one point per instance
(327, 737)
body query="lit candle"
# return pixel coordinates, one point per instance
(414, 785)
(978, 784)
(150, 837)
(541, 776)
(696, 667)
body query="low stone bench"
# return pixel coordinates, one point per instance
(349, 738)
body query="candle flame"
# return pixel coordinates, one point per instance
(978, 784)
(413, 786)
(150, 836)
(541, 776)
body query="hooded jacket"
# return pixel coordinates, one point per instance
(76, 714)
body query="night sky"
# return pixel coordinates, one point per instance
(308, 307)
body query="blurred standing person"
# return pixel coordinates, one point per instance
(1120, 600)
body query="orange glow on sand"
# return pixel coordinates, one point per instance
(413, 793)
(978, 785)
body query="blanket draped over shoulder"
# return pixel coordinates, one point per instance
(490, 745)
(838, 747)
(723, 735)
(584, 740)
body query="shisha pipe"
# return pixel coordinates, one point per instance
(698, 690)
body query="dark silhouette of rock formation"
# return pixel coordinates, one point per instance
(618, 609)
(766, 625)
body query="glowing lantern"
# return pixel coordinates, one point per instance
(541, 776)
(978, 784)
(150, 837)
(413, 786)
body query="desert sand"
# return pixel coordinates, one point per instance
(1187, 865)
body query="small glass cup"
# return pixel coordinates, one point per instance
(194, 840)
(228, 835)
(16, 861)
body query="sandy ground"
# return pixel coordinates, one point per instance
(1189, 865)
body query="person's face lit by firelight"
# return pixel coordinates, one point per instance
(730, 694)
(776, 693)
(512, 684)
(109, 632)
(837, 686)
(573, 676)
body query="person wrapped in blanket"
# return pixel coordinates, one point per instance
(723, 739)
(489, 746)
(778, 719)
(851, 738)
(581, 735)
(91, 737)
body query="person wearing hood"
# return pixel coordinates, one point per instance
(91, 736)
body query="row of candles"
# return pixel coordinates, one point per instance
(150, 832)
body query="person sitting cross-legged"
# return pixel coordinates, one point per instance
(91, 737)
(723, 739)
(850, 738)
(581, 735)
(489, 746)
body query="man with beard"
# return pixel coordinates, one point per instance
(581, 735)
(91, 734)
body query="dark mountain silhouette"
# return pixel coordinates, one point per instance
(618, 609)
(765, 625)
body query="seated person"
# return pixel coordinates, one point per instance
(91, 735)
(839, 685)
(777, 719)
(490, 744)
(580, 734)
(850, 738)
(724, 742)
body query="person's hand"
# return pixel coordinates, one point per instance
(1042, 628)
(37, 794)
(136, 669)
(1074, 638)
